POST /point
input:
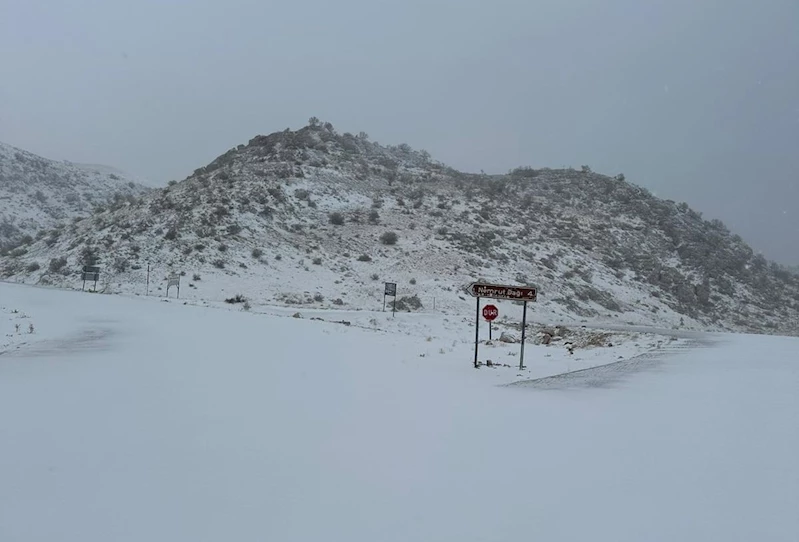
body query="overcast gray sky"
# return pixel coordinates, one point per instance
(698, 100)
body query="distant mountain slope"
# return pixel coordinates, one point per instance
(314, 217)
(37, 193)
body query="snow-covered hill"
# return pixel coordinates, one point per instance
(321, 219)
(37, 193)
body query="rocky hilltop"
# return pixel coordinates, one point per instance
(318, 218)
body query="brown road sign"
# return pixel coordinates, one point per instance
(497, 291)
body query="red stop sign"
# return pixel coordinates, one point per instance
(490, 312)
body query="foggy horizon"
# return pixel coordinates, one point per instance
(696, 102)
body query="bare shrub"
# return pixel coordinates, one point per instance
(389, 238)
(57, 264)
(408, 304)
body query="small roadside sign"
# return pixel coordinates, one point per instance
(173, 280)
(91, 273)
(490, 312)
(390, 289)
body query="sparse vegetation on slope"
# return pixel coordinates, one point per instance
(37, 194)
(318, 210)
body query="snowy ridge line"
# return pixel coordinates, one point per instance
(605, 375)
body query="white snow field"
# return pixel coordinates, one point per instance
(130, 419)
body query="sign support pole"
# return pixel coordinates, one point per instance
(390, 289)
(524, 328)
(490, 330)
(476, 332)
(147, 291)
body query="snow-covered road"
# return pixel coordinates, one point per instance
(140, 420)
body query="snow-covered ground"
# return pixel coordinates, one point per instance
(125, 418)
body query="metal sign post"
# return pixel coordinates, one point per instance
(147, 289)
(90, 273)
(390, 290)
(496, 291)
(173, 280)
